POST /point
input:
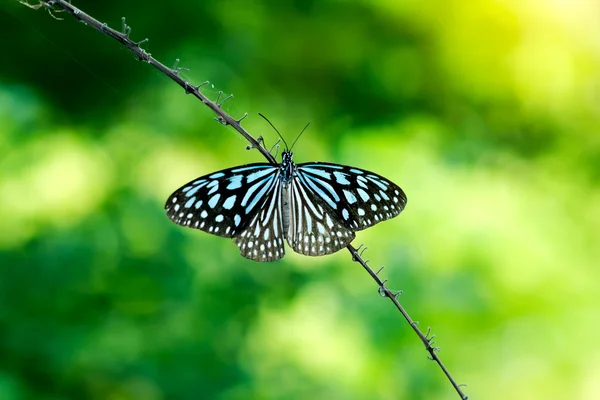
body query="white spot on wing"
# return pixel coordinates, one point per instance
(320, 228)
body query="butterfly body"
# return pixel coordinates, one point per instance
(317, 207)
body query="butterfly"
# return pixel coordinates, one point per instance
(317, 206)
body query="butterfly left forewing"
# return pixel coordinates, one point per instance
(224, 202)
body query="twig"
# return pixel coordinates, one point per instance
(123, 37)
(427, 340)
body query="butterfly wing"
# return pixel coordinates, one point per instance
(228, 203)
(358, 198)
(262, 238)
(314, 229)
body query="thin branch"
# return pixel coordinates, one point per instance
(123, 37)
(427, 340)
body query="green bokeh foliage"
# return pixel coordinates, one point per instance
(487, 113)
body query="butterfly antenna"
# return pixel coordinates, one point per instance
(273, 126)
(299, 136)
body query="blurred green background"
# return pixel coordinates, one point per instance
(487, 113)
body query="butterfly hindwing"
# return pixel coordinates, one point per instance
(262, 238)
(313, 229)
(224, 202)
(358, 198)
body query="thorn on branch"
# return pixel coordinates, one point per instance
(240, 120)
(220, 102)
(49, 6)
(32, 6)
(141, 42)
(362, 251)
(190, 88)
(380, 269)
(125, 29)
(177, 70)
(397, 294)
(224, 100)
(430, 339)
(221, 120)
(260, 140)
(276, 147)
(355, 253)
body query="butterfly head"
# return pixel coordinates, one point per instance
(286, 157)
(287, 165)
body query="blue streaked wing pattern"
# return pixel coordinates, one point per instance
(262, 238)
(317, 207)
(224, 202)
(314, 228)
(358, 197)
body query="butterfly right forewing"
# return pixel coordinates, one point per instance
(358, 198)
